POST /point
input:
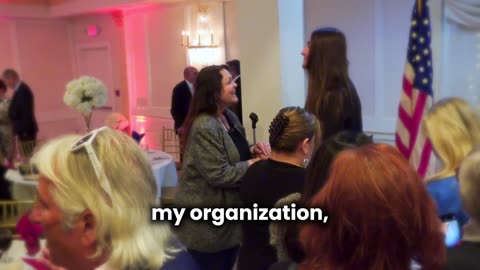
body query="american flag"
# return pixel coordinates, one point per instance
(417, 93)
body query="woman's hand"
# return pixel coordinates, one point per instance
(261, 150)
(253, 160)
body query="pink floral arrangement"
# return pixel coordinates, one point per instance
(30, 232)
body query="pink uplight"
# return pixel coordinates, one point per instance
(140, 123)
(141, 118)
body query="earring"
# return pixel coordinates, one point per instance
(305, 162)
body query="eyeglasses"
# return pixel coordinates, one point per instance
(86, 142)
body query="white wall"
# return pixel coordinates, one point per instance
(7, 53)
(155, 63)
(270, 46)
(259, 46)
(231, 31)
(166, 58)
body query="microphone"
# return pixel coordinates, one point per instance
(254, 117)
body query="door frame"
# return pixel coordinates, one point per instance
(110, 106)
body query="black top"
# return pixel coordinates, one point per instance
(340, 110)
(285, 265)
(239, 140)
(464, 257)
(264, 183)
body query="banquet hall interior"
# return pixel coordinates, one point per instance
(135, 48)
(139, 48)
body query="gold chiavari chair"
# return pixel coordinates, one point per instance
(12, 211)
(26, 148)
(171, 145)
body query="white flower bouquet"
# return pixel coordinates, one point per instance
(85, 93)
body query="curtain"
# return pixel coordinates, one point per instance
(463, 12)
(461, 51)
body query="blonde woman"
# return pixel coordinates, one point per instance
(465, 256)
(94, 199)
(453, 128)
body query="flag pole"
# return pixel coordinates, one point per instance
(419, 6)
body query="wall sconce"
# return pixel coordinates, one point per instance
(205, 35)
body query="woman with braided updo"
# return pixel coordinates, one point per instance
(293, 135)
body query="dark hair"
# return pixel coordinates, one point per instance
(10, 74)
(327, 66)
(208, 88)
(319, 166)
(291, 126)
(225, 66)
(327, 62)
(3, 86)
(316, 177)
(383, 215)
(234, 66)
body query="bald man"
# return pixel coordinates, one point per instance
(181, 96)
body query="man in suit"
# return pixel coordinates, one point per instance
(234, 66)
(21, 111)
(181, 96)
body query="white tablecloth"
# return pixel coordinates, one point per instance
(21, 189)
(163, 168)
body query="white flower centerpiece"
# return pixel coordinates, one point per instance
(85, 93)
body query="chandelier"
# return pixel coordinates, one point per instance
(204, 37)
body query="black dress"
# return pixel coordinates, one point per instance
(264, 183)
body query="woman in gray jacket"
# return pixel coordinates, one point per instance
(216, 156)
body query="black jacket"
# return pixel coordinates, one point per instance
(21, 113)
(181, 97)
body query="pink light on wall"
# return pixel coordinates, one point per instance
(137, 71)
(117, 17)
(140, 126)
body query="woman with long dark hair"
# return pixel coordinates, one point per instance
(216, 157)
(332, 97)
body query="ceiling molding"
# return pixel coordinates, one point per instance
(68, 8)
(25, 9)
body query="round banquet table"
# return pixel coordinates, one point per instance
(163, 168)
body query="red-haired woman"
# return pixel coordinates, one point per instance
(380, 216)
